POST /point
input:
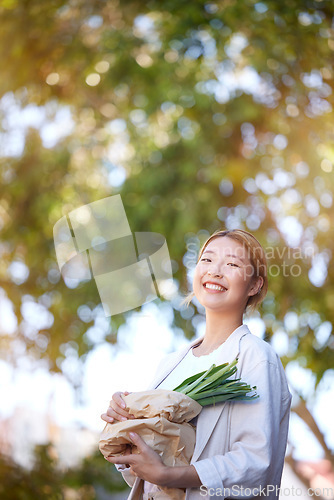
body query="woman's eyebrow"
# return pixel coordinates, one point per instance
(227, 255)
(235, 257)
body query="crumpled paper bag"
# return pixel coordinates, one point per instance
(161, 420)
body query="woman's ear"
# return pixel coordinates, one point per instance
(256, 286)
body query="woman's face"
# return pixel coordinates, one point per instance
(223, 278)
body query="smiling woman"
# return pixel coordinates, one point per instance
(241, 444)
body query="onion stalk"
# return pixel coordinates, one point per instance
(215, 386)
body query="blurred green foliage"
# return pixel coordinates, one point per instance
(92, 479)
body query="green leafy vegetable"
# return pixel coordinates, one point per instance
(215, 385)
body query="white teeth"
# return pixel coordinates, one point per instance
(214, 287)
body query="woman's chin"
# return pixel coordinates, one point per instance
(213, 303)
(218, 303)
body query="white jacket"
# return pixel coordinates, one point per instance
(240, 445)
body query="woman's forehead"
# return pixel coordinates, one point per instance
(227, 246)
(223, 243)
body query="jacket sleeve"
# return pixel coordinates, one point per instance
(257, 435)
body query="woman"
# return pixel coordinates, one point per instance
(240, 445)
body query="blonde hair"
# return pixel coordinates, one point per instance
(257, 259)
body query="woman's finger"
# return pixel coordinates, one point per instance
(106, 418)
(118, 399)
(128, 450)
(118, 406)
(116, 410)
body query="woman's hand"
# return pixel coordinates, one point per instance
(116, 410)
(146, 464)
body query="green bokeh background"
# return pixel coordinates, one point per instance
(202, 115)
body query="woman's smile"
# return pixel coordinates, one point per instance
(212, 287)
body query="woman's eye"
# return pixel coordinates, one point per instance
(208, 260)
(232, 264)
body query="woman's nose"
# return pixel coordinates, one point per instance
(214, 274)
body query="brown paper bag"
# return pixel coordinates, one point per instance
(161, 420)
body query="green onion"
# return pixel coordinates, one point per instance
(215, 385)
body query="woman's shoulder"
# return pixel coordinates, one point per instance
(259, 360)
(258, 350)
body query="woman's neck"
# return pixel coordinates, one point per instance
(218, 328)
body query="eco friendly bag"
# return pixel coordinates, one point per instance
(162, 420)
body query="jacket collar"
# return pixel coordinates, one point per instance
(233, 338)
